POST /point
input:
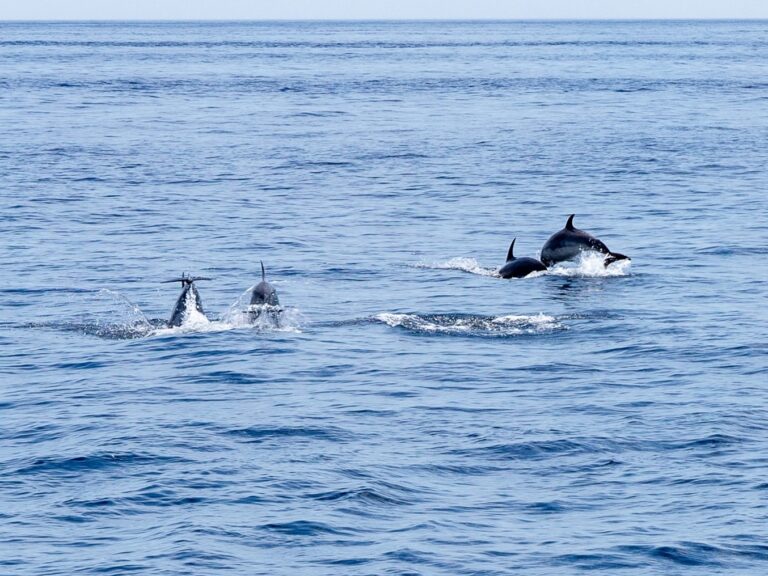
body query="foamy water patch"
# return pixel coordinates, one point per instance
(239, 316)
(265, 318)
(460, 263)
(472, 325)
(269, 318)
(591, 265)
(193, 323)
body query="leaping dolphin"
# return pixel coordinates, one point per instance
(569, 242)
(188, 298)
(519, 267)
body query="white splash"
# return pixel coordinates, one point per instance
(122, 310)
(421, 323)
(193, 318)
(288, 320)
(240, 315)
(495, 326)
(461, 263)
(539, 319)
(263, 317)
(237, 314)
(588, 265)
(591, 265)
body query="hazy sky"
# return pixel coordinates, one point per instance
(381, 9)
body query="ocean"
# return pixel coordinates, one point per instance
(409, 412)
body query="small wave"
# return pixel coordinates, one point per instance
(595, 561)
(696, 553)
(733, 250)
(713, 441)
(367, 496)
(461, 263)
(590, 265)
(305, 528)
(534, 450)
(470, 325)
(259, 434)
(320, 114)
(457, 469)
(92, 462)
(154, 496)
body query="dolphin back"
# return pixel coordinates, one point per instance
(264, 293)
(570, 242)
(521, 267)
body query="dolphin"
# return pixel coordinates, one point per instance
(569, 242)
(189, 297)
(519, 267)
(264, 293)
(265, 305)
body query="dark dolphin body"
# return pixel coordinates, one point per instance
(569, 242)
(519, 267)
(264, 293)
(265, 305)
(189, 297)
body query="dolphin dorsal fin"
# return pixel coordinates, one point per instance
(263, 273)
(510, 254)
(569, 224)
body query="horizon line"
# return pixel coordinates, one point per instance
(596, 19)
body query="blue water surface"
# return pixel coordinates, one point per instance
(411, 413)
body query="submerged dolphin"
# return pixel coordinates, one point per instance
(189, 297)
(569, 242)
(519, 267)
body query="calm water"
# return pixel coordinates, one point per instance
(412, 414)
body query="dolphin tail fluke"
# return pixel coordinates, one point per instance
(185, 280)
(510, 253)
(614, 257)
(263, 273)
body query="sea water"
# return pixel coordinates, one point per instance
(411, 413)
